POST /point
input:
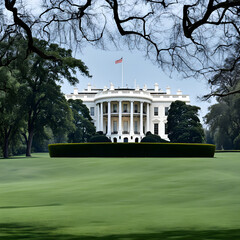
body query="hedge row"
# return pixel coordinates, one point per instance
(131, 150)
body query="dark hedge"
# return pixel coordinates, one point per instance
(99, 138)
(131, 150)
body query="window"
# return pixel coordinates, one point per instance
(125, 126)
(166, 111)
(155, 111)
(92, 111)
(135, 108)
(114, 107)
(156, 128)
(115, 126)
(135, 126)
(166, 128)
(124, 108)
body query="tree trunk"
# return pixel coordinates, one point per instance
(5, 147)
(29, 143)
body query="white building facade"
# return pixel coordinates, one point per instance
(124, 114)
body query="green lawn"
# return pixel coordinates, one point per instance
(120, 198)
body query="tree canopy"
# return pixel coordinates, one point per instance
(31, 97)
(183, 123)
(84, 127)
(191, 36)
(223, 118)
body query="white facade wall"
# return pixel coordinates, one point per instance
(138, 110)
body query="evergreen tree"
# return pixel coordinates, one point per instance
(183, 123)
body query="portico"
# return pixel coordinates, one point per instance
(122, 119)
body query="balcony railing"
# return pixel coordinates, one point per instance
(115, 132)
(125, 132)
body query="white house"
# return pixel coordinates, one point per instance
(125, 114)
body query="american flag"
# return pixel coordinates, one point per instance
(118, 61)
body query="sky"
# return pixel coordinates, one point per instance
(136, 69)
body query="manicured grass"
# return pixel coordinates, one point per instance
(120, 198)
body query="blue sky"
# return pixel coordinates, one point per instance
(103, 69)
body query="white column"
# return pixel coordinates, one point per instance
(97, 117)
(109, 119)
(120, 118)
(141, 118)
(131, 118)
(101, 116)
(147, 128)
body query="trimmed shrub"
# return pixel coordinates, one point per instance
(131, 150)
(153, 138)
(99, 138)
(149, 138)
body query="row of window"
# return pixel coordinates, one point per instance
(156, 111)
(125, 109)
(125, 126)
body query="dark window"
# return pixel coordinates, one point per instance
(135, 108)
(166, 111)
(136, 139)
(125, 140)
(124, 108)
(114, 108)
(92, 111)
(115, 140)
(156, 128)
(155, 111)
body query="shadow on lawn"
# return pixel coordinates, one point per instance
(18, 232)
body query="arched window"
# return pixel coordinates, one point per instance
(114, 140)
(125, 139)
(136, 139)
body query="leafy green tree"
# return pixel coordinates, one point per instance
(223, 120)
(183, 123)
(45, 104)
(39, 96)
(11, 118)
(84, 127)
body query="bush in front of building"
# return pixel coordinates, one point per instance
(99, 137)
(131, 150)
(152, 138)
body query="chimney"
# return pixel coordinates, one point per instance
(168, 90)
(89, 87)
(179, 92)
(156, 87)
(75, 91)
(111, 86)
(145, 87)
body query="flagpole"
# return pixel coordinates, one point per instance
(122, 72)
